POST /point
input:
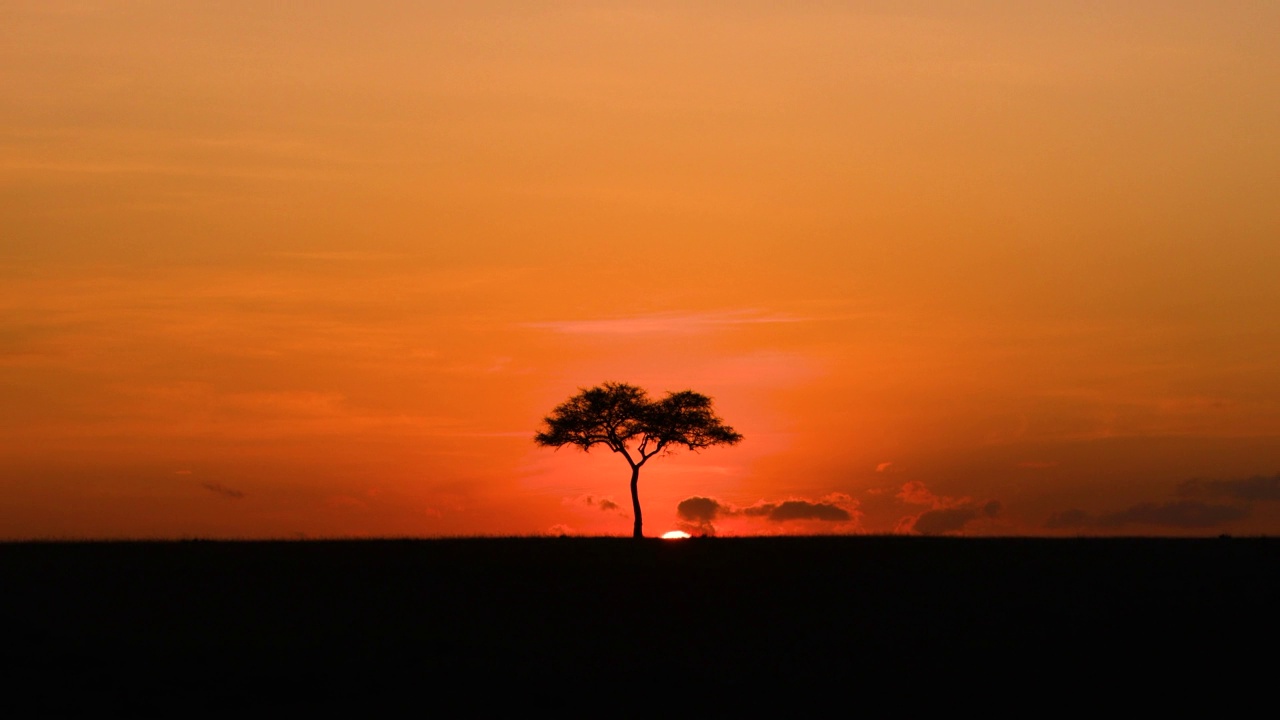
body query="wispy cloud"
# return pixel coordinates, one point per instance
(946, 515)
(666, 323)
(1191, 511)
(223, 490)
(339, 256)
(1253, 488)
(604, 504)
(1183, 514)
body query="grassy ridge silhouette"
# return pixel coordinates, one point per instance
(147, 625)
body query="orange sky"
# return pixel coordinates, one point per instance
(320, 270)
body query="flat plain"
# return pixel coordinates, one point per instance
(224, 625)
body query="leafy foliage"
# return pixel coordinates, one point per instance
(624, 419)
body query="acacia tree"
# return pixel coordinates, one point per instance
(623, 418)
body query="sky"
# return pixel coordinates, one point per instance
(321, 269)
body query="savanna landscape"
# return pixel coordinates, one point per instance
(639, 358)
(483, 625)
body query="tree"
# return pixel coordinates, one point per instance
(623, 418)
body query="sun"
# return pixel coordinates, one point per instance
(675, 535)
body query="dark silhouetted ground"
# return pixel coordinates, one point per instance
(705, 623)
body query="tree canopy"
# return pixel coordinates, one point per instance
(623, 418)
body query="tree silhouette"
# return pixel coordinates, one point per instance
(623, 418)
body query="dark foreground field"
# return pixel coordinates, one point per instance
(545, 622)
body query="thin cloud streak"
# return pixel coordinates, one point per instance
(1181, 514)
(339, 256)
(665, 323)
(1249, 489)
(223, 490)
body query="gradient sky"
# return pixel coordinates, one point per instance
(320, 269)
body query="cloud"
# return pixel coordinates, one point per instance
(799, 510)
(915, 493)
(1257, 488)
(953, 520)
(945, 514)
(223, 491)
(697, 514)
(1180, 513)
(663, 323)
(343, 256)
(1072, 518)
(700, 509)
(1184, 514)
(604, 504)
(1191, 512)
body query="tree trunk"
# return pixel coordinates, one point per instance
(635, 502)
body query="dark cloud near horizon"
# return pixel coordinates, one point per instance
(1073, 518)
(700, 509)
(222, 490)
(704, 509)
(1185, 514)
(697, 514)
(1257, 488)
(1189, 513)
(949, 520)
(945, 515)
(799, 510)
